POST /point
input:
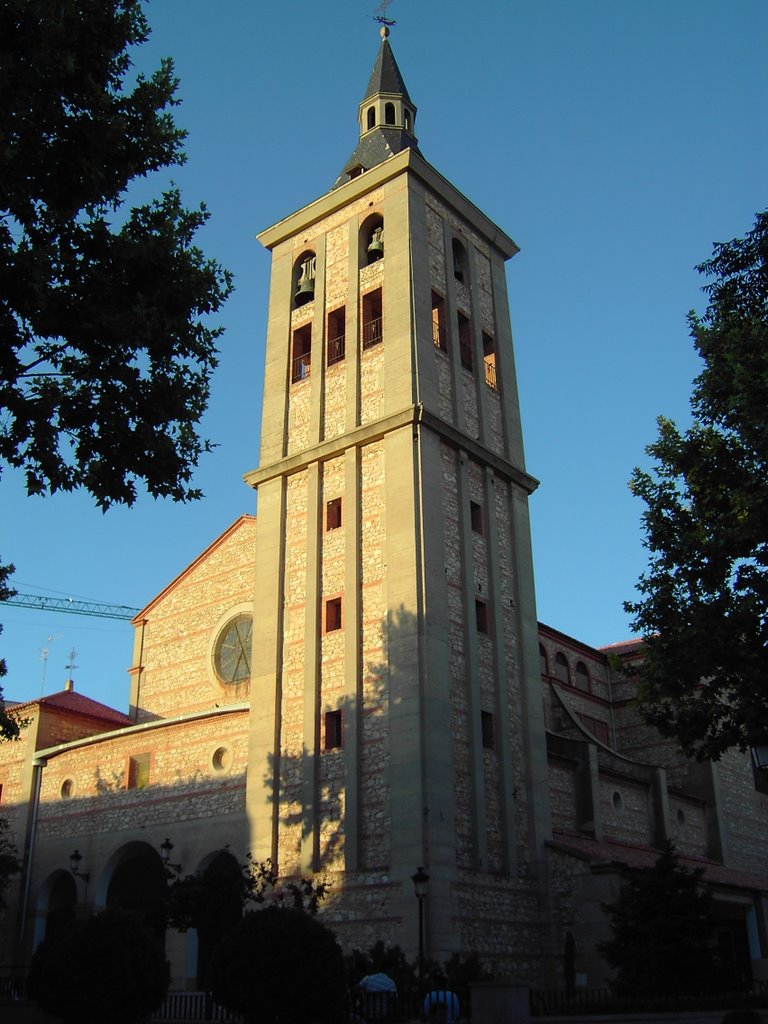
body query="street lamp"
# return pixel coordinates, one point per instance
(74, 866)
(420, 884)
(165, 852)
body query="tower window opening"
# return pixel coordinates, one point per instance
(306, 268)
(389, 113)
(371, 117)
(438, 322)
(543, 663)
(459, 261)
(333, 514)
(373, 239)
(487, 730)
(302, 353)
(332, 614)
(407, 119)
(332, 730)
(582, 677)
(562, 673)
(489, 358)
(481, 616)
(465, 341)
(476, 517)
(336, 332)
(372, 319)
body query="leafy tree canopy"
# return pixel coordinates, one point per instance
(663, 933)
(107, 352)
(703, 610)
(9, 861)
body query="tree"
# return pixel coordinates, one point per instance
(9, 726)
(107, 968)
(280, 964)
(663, 933)
(703, 612)
(9, 861)
(107, 351)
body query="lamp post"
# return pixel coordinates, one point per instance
(165, 853)
(420, 883)
(74, 866)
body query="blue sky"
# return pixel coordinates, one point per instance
(614, 140)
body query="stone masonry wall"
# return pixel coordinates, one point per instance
(176, 672)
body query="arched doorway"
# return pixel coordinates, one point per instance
(221, 907)
(56, 906)
(137, 886)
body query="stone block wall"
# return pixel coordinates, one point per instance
(174, 646)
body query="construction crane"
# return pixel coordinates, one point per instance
(71, 606)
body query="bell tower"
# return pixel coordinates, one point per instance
(396, 715)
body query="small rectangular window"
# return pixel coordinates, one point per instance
(138, 771)
(438, 322)
(481, 615)
(332, 730)
(465, 341)
(302, 353)
(476, 516)
(332, 614)
(486, 728)
(333, 514)
(489, 358)
(336, 335)
(372, 319)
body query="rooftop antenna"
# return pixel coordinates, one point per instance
(71, 666)
(381, 14)
(44, 652)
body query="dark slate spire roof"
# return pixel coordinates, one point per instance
(386, 76)
(383, 140)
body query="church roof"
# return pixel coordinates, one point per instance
(386, 76)
(383, 140)
(79, 704)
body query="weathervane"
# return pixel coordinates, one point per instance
(381, 14)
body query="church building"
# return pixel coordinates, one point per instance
(354, 684)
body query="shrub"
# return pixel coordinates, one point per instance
(108, 968)
(280, 963)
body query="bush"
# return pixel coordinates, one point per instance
(108, 968)
(280, 963)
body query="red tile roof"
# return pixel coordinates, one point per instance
(610, 851)
(78, 704)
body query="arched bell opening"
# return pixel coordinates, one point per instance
(372, 240)
(304, 271)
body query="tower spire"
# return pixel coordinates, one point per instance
(386, 115)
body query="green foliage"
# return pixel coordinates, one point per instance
(663, 933)
(106, 355)
(280, 964)
(703, 610)
(108, 968)
(9, 861)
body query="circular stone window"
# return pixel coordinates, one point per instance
(67, 789)
(221, 759)
(618, 803)
(680, 817)
(232, 650)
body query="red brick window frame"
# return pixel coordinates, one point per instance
(139, 770)
(582, 677)
(333, 614)
(481, 616)
(333, 730)
(333, 514)
(487, 730)
(562, 672)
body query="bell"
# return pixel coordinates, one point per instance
(305, 290)
(376, 246)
